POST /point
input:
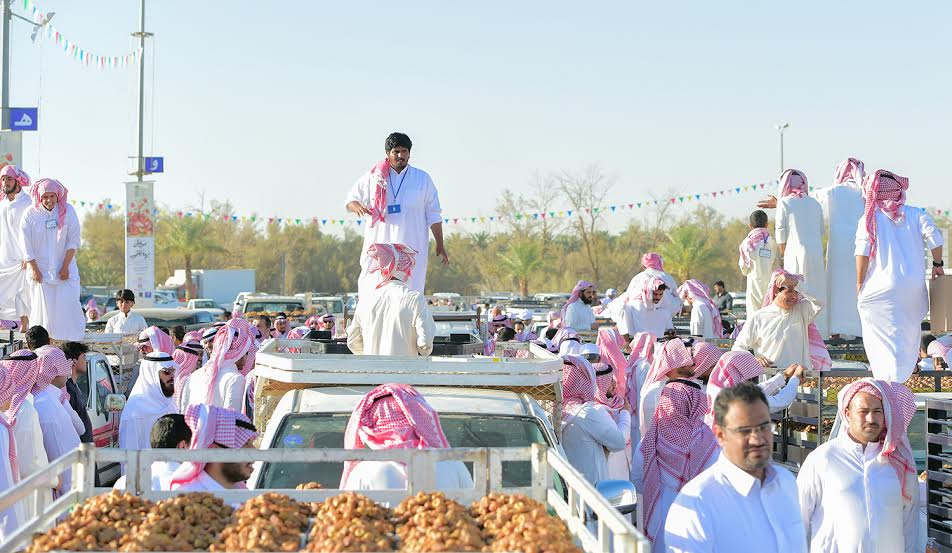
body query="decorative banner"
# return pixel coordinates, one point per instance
(455, 220)
(72, 50)
(140, 241)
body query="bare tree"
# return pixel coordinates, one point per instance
(586, 192)
(660, 211)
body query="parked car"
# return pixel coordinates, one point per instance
(104, 403)
(271, 304)
(191, 319)
(205, 304)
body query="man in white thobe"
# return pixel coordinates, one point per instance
(891, 240)
(396, 416)
(215, 428)
(705, 316)
(577, 312)
(743, 502)
(169, 432)
(125, 321)
(631, 311)
(150, 398)
(15, 203)
(402, 204)
(859, 491)
(53, 410)
(50, 241)
(393, 319)
(221, 381)
(799, 229)
(759, 257)
(842, 205)
(735, 367)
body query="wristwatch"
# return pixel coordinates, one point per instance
(938, 263)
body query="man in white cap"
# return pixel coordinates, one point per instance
(859, 491)
(150, 398)
(609, 296)
(393, 319)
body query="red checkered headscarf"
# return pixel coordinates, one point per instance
(43, 186)
(7, 389)
(705, 355)
(212, 425)
(379, 174)
(576, 292)
(53, 363)
(603, 382)
(793, 183)
(642, 346)
(233, 341)
(186, 356)
(392, 416)
(819, 355)
(18, 175)
(886, 192)
(651, 260)
(733, 368)
(158, 339)
(755, 238)
(698, 292)
(899, 406)
(652, 284)
(677, 443)
(22, 369)
(578, 384)
(673, 355)
(849, 170)
(392, 260)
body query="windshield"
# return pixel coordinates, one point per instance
(331, 306)
(272, 306)
(199, 317)
(204, 304)
(326, 431)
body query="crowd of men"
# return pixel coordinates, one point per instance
(689, 424)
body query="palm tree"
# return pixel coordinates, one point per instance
(522, 260)
(188, 237)
(480, 239)
(686, 249)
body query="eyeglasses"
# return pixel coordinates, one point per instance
(167, 372)
(748, 431)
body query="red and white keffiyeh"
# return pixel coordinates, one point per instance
(677, 443)
(899, 406)
(158, 339)
(819, 355)
(886, 192)
(552, 319)
(642, 346)
(578, 384)
(499, 321)
(43, 186)
(603, 382)
(212, 425)
(22, 369)
(793, 183)
(392, 416)
(698, 292)
(609, 343)
(233, 341)
(9, 387)
(673, 355)
(935, 349)
(576, 293)
(18, 175)
(651, 260)
(756, 238)
(52, 363)
(392, 260)
(379, 175)
(186, 356)
(652, 284)
(732, 368)
(850, 170)
(705, 355)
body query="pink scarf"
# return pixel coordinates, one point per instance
(673, 355)
(849, 170)
(819, 355)
(899, 405)
(22, 369)
(651, 260)
(232, 342)
(186, 356)
(755, 239)
(52, 363)
(652, 284)
(886, 192)
(18, 175)
(793, 183)
(379, 175)
(578, 384)
(677, 443)
(576, 292)
(211, 425)
(732, 368)
(158, 339)
(603, 381)
(392, 416)
(9, 388)
(43, 186)
(698, 292)
(392, 260)
(609, 344)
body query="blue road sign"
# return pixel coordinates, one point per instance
(154, 164)
(24, 119)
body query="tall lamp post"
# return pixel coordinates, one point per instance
(780, 128)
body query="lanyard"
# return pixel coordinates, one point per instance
(400, 186)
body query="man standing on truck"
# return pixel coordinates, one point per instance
(14, 284)
(150, 398)
(396, 416)
(403, 204)
(393, 319)
(215, 428)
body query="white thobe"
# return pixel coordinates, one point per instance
(391, 475)
(843, 207)
(641, 373)
(852, 502)
(14, 278)
(135, 424)
(893, 300)
(780, 393)
(31, 454)
(392, 320)
(702, 322)
(161, 476)
(59, 436)
(579, 316)
(726, 510)
(229, 390)
(11, 518)
(120, 323)
(799, 225)
(54, 303)
(669, 491)
(202, 483)
(763, 262)
(641, 316)
(588, 433)
(778, 335)
(419, 209)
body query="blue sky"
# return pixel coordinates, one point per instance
(280, 107)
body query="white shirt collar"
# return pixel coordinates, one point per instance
(740, 479)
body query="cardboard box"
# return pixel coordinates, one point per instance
(940, 304)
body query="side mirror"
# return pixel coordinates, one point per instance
(115, 403)
(620, 493)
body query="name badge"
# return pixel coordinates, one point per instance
(395, 208)
(764, 252)
(51, 223)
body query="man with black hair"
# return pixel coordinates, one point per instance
(722, 300)
(169, 432)
(125, 322)
(759, 257)
(742, 502)
(76, 353)
(37, 337)
(401, 203)
(177, 334)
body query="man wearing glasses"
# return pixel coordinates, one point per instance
(743, 502)
(150, 398)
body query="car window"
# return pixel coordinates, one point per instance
(917, 438)
(82, 382)
(326, 431)
(204, 317)
(272, 307)
(101, 376)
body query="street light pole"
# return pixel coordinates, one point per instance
(141, 35)
(5, 84)
(781, 127)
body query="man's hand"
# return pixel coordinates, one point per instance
(764, 362)
(937, 271)
(627, 405)
(37, 275)
(357, 208)
(796, 370)
(64, 272)
(859, 287)
(441, 251)
(769, 203)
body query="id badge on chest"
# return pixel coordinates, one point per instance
(395, 208)
(51, 223)
(764, 252)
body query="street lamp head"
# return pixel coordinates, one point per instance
(781, 126)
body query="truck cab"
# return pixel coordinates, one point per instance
(104, 403)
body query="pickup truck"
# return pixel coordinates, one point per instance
(104, 403)
(204, 304)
